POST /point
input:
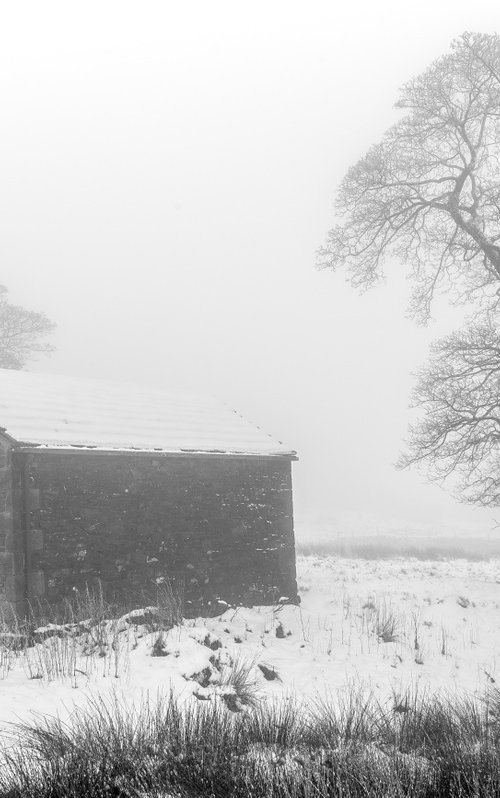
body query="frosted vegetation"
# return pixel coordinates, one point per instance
(383, 682)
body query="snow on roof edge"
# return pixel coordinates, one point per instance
(286, 454)
(47, 411)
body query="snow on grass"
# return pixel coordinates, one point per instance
(391, 626)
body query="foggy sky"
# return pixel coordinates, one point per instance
(168, 172)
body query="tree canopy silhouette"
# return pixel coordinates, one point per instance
(22, 333)
(429, 193)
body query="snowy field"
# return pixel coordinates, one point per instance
(390, 625)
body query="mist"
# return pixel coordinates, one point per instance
(168, 173)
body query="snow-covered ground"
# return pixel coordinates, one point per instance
(389, 625)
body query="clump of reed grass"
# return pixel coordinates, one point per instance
(387, 627)
(238, 685)
(351, 746)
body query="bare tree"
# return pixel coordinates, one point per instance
(21, 333)
(460, 431)
(429, 192)
(428, 196)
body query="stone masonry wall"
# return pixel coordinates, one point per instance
(220, 526)
(8, 587)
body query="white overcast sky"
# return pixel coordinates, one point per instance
(168, 171)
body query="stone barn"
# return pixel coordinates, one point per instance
(128, 487)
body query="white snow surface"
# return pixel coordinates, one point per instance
(64, 412)
(447, 637)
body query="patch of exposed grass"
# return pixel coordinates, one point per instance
(416, 745)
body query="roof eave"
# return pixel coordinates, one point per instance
(25, 446)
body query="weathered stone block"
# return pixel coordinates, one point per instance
(32, 499)
(37, 584)
(35, 539)
(15, 588)
(6, 520)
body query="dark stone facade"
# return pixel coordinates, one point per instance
(7, 570)
(220, 526)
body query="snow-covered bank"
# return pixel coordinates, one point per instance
(390, 625)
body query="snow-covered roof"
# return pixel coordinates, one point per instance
(64, 412)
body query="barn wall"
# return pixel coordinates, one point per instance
(221, 527)
(11, 588)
